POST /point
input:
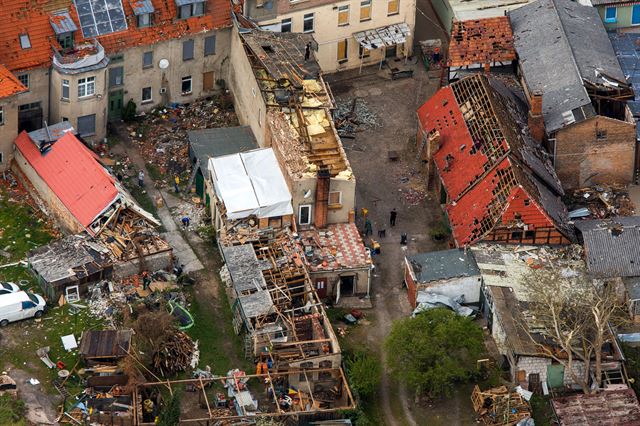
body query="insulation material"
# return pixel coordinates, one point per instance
(251, 183)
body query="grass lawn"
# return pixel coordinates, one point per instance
(11, 411)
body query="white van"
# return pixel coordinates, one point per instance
(20, 305)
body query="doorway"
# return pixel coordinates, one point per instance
(347, 285)
(30, 117)
(391, 52)
(116, 99)
(321, 287)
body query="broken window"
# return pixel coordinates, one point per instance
(186, 85)
(362, 52)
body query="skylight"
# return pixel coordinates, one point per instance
(100, 17)
(25, 43)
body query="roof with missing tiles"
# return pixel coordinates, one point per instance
(34, 18)
(9, 84)
(481, 41)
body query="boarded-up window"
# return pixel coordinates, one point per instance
(365, 10)
(342, 50)
(393, 7)
(87, 125)
(335, 198)
(343, 15)
(210, 45)
(207, 81)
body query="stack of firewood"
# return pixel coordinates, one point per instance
(174, 354)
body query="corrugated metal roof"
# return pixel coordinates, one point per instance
(612, 246)
(62, 23)
(625, 46)
(140, 7)
(73, 174)
(211, 143)
(442, 265)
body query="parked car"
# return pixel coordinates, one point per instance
(20, 305)
(6, 288)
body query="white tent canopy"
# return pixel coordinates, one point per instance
(251, 183)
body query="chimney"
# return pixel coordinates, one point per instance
(487, 68)
(536, 120)
(322, 198)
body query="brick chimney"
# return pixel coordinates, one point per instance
(322, 198)
(536, 120)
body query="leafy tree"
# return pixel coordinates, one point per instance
(170, 414)
(364, 373)
(434, 350)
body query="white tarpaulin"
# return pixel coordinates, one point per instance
(251, 183)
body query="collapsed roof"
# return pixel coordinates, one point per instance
(481, 41)
(565, 53)
(485, 155)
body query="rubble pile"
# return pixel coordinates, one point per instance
(601, 202)
(412, 187)
(162, 134)
(353, 115)
(174, 353)
(499, 406)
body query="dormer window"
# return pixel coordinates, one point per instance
(65, 40)
(189, 8)
(143, 9)
(64, 27)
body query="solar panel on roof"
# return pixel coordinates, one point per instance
(100, 17)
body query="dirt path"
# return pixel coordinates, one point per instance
(378, 190)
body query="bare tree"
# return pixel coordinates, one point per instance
(571, 313)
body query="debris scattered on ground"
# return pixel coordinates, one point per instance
(175, 353)
(412, 186)
(602, 201)
(353, 115)
(162, 133)
(499, 406)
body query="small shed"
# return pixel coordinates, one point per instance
(211, 143)
(104, 346)
(451, 273)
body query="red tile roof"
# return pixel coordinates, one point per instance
(487, 166)
(9, 84)
(33, 18)
(481, 41)
(339, 245)
(73, 174)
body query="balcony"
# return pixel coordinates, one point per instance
(82, 57)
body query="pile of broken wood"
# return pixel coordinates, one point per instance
(499, 406)
(174, 354)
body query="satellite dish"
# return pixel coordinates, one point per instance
(163, 64)
(307, 193)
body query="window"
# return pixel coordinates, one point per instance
(24, 79)
(65, 89)
(116, 75)
(86, 87)
(610, 14)
(1, 116)
(307, 23)
(187, 50)
(210, 45)
(304, 214)
(65, 40)
(343, 15)
(189, 10)
(29, 107)
(285, 25)
(601, 134)
(25, 43)
(393, 7)
(146, 95)
(147, 60)
(527, 202)
(87, 125)
(342, 50)
(362, 52)
(116, 58)
(145, 20)
(635, 14)
(335, 198)
(365, 10)
(186, 85)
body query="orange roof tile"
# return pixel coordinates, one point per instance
(32, 17)
(9, 84)
(481, 41)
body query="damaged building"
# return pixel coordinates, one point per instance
(250, 197)
(284, 325)
(492, 178)
(576, 92)
(84, 198)
(280, 93)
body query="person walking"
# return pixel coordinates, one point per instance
(392, 217)
(176, 182)
(368, 228)
(185, 222)
(146, 280)
(141, 179)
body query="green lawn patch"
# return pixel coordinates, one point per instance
(11, 411)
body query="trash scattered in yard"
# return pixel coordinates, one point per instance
(353, 115)
(601, 202)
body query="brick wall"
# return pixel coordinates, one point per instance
(598, 150)
(411, 285)
(539, 365)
